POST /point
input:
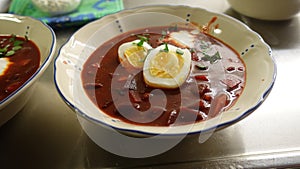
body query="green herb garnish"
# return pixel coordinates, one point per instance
(10, 53)
(180, 52)
(11, 48)
(3, 50)
(142, 40)
(15, 48)
(164, 33)
(201, 67)
(212, 59)
(18, 42)
(173, 28)
(12, 38)
(166, 49)
(192, 50)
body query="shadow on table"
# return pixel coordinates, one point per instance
(222, 144)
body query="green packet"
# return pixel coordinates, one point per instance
(88, 10)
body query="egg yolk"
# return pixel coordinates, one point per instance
(136, 55)
(166, 65)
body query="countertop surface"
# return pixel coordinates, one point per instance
(46, 132)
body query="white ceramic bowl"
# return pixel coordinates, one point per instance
(260, 66)
(44, 37)
(267, 9)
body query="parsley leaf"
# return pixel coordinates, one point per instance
(180, 52)
(142, 40)
(212, 59)
(166, 49)
(13, 45)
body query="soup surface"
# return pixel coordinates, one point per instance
(119, 86)
(19, 60)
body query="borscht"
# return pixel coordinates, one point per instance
(19, 60)
(159, 76)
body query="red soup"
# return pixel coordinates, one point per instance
(121, 91)
(19, 60)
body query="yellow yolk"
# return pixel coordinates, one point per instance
(136, 55)
(166, 65)
(132, 55)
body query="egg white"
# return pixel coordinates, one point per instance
(176, 77)
(122, 48)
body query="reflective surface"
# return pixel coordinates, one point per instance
(47, 134)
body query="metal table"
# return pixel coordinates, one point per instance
(47, 134)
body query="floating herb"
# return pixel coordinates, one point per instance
(192, 50)
(12, 38)
(142, 40)
(3, 50)
(173, 28)
(212, 59)
(201, 67)
(166, 49)
(18, 42)
(10, 53)
(15, 48)
(180, 52)
(204, 46)
(11, 48)
(164, 33)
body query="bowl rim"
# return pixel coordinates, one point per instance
(43, 66)
(143, 133)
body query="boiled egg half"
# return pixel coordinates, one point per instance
(167, 66)
(133, 54)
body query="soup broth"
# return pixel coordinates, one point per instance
(20, 58)
(110, 84)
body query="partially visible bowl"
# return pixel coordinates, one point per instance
(45, 40)
(267, 9)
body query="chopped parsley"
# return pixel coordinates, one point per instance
(166, 49)
(201, 67)
(173, 28)
(212, 59)
(142, 40)
(180, 52)
(13, 46)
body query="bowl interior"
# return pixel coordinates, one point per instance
(256, 54)
(42, 35)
